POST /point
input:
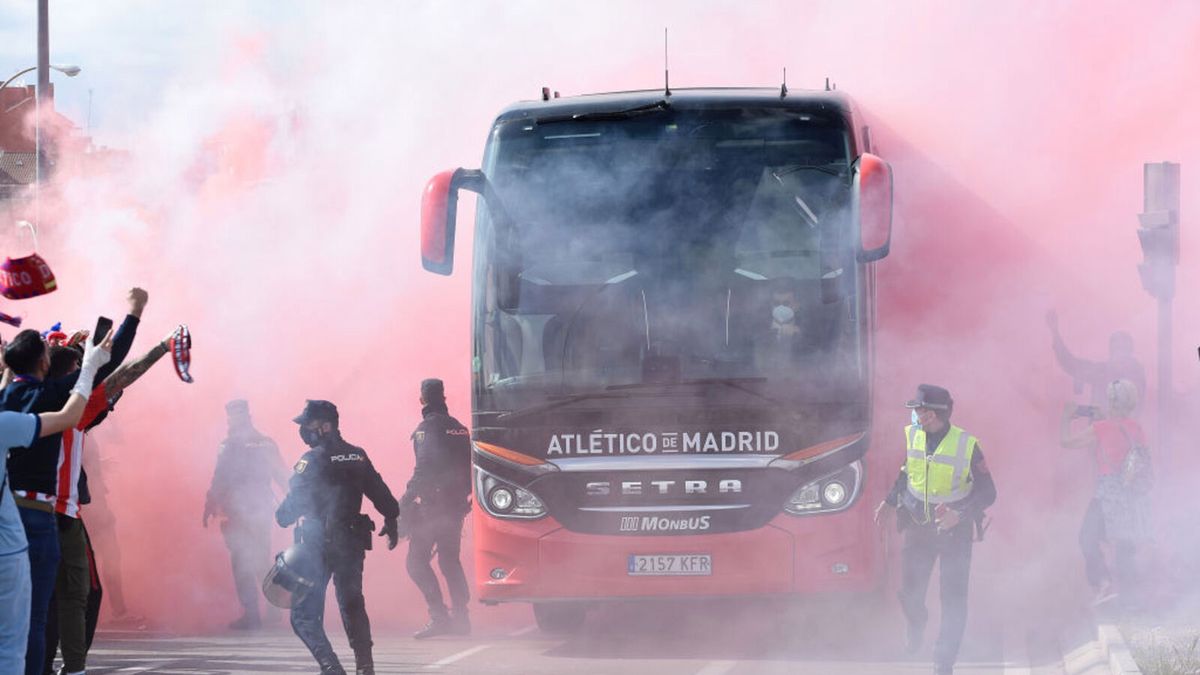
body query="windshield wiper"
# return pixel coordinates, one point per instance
(602, 115)
(738, 383)
(728, 381)
(619, 391)
(838, 169)
(558, 403)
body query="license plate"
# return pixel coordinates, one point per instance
(666, 565)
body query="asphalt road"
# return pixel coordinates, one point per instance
(710, 639)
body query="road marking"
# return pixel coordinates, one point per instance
(143, 669)
(717, 668)
(523, 631)
(459, 656)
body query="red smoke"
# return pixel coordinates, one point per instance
(272, 204)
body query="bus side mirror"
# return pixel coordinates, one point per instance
(873, 202)
(439, 212)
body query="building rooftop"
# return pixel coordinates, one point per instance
(17, 168)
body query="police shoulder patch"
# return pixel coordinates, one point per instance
(419, 435)
(301, 465)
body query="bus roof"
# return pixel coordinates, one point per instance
(699, 98)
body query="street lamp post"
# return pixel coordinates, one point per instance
(65, 69)
(68, 70)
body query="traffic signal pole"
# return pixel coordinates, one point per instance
(1164, 376)
(1159, 236)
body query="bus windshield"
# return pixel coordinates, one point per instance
(666, 248)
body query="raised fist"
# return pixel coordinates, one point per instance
(137, 301)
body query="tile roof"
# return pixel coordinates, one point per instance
(17, 168)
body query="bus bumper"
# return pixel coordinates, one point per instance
(538, 561)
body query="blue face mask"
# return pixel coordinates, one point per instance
(916, 419)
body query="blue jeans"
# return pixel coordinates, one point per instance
(41, 529)
(14, 611)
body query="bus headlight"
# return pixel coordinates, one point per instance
(829, 494)
(505, 500)
(834, 493)
(501, 499)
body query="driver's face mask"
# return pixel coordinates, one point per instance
(783, 314)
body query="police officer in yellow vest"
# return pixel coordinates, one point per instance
(941, 492)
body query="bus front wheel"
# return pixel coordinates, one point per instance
(559, 618)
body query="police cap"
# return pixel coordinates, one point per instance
(433, 390)
(932, 397)
(317, 410)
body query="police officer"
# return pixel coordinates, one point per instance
(241, 492)
(325, 494)
(943, 488)
(438, 497)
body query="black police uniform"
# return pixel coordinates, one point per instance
(438, 493)
(326, 491)
(241, 491)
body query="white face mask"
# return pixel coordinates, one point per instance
(783, 314)
(916, 419)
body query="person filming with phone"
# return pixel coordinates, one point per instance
(1116, 513)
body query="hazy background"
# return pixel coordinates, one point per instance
(271, 201)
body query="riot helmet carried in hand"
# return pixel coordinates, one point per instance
(293, 575)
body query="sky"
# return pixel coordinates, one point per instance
(279, 151)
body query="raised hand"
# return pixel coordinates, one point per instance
(137, 301)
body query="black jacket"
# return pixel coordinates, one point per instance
(241, 484)
(442, 473)
(35, 468)
(328, 484)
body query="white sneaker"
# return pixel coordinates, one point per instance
(1104, 594)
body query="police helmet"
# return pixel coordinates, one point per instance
(292, 576)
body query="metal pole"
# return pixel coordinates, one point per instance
(1164, 380)
(1159, 236)
(43, 84)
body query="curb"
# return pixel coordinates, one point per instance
(1105, 654)
(1119, 658)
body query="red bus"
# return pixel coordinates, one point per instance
(672, 367)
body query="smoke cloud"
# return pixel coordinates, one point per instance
(269, 189)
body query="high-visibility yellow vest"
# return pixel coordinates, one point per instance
(944, 476)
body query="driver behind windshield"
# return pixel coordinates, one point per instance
(780, 339)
